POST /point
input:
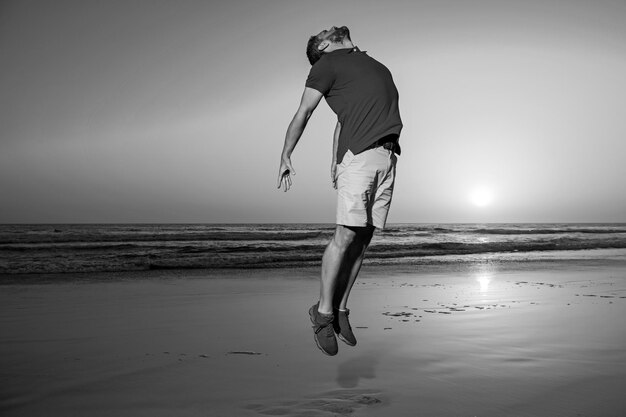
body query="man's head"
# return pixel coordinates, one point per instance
(327, 41)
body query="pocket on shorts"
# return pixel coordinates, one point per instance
(347, 158)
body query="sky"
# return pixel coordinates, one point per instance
(162, 111)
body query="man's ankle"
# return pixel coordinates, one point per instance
(324, 312)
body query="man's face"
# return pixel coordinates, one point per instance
(335, 34)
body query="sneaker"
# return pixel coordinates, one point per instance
(324, 334)
(342, 327)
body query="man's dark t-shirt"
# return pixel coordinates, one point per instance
(360, 90)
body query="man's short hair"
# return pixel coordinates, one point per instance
(312, 52)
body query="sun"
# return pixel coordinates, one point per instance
(481, 196)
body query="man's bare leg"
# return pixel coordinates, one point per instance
(352, 266)
(341, 264)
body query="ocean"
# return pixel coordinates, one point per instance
(71, 248)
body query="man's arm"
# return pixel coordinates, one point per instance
(333, 165)
(310, 99)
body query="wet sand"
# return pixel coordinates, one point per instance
(478, 339)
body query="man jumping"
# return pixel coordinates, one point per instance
(361, 91)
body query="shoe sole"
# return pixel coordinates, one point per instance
(315, 338)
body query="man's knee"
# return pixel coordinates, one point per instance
(347, 236)
(344, 237)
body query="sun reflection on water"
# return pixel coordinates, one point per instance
(484, 279)
(484, 275)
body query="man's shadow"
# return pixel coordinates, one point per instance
(350, 372)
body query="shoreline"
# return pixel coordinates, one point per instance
(508, 260)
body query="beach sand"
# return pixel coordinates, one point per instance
(473, 339)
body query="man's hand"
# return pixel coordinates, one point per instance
(284, 174)
(333, 173)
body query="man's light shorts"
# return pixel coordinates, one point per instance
(365, 186)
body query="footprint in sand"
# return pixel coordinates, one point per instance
(332, 403)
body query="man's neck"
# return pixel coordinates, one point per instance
(346, 44)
